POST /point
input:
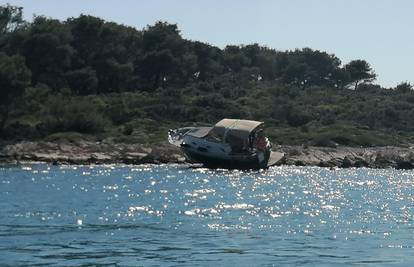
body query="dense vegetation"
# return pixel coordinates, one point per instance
(100, 78)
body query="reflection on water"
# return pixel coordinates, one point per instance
(178, 216)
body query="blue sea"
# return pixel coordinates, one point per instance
(179, 215)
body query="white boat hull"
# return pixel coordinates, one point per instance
(217, 154)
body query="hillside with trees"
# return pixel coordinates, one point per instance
(86, 76)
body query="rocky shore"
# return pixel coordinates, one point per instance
(89, 152)
(107, 151)
(346, 157)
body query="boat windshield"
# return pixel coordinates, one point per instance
(214, 137)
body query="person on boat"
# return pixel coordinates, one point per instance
(261, 142)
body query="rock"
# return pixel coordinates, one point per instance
(106, 151)
(177, 158)
(135, 155)
(65, 148)
(147, 150)
(134, 158)
(100, 158)
(347, 162)
(43, 157)
(79, 159)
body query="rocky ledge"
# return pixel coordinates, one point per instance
(107, 151)
(345, 157)
(88, 152)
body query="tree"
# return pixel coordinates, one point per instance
(109, 49)
(340, 78)
(308, 67)
(47, 52)
(14, 78)
(360, 70)
(12, 28)
(82, 81)
(295, 74)
(166, 58)
(404, 87)
(208, 61)
(262, 58)
(11, 18)
(86, 32)
(234, 59)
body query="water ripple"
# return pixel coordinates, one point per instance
(174, 215)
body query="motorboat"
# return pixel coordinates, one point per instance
(230, 144)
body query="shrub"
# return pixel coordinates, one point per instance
(297, 118)
(128, 129)
(72, 114)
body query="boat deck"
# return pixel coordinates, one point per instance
(275, 158)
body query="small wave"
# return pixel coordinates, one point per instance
(236, 206)
(202, 212)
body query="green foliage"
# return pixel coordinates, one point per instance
(82, 81)
(91, 76)
(48, 52)
(70, 114)
(90, 55)
(128, 129)
(404, 87)
(296, 117)
(350, 135)
(360, 70)
(71, 137)
(14, 78)
(11, 18)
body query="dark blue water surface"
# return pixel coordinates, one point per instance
(173, 215)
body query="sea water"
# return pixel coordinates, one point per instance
(178, 215)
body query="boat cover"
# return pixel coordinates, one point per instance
(200, 132)
(237, 128)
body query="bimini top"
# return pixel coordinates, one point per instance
(236, 128)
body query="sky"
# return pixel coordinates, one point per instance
(379, 31)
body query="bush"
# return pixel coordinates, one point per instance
(297, 118)
(82, 81)
(19, 130)
(328, 118)
(128, 129)
(324, 141)
(72, 114)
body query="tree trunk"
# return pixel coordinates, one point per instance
(356, 85)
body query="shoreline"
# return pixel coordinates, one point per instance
(83, 152)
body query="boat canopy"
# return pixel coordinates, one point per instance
(236, 128)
